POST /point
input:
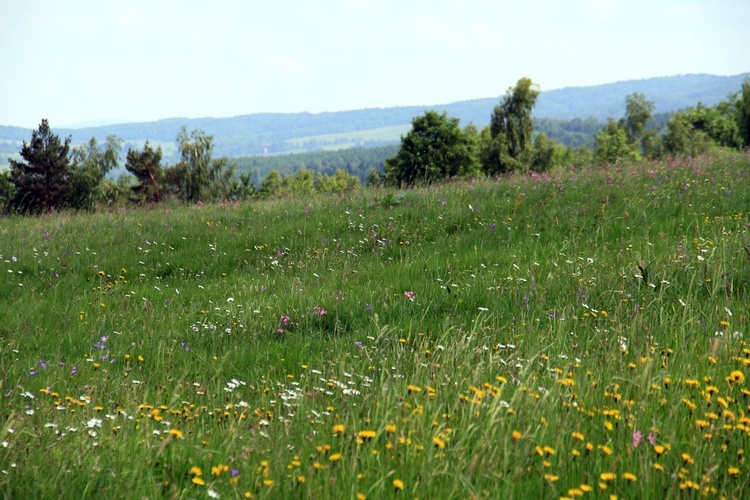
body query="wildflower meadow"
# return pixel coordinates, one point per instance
(580, 333)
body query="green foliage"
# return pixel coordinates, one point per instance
(701, 128)
(7, 191)
(638, 112)
(43, 182)
(683, 139)
(742, 104)
(146, 167)
(543, 153)
(575, 133)
(434, 149)
(357, 161)
(91, 164)
(198, 175)
(341, 181)
(612, 144)
(511, 128)
(272, 184)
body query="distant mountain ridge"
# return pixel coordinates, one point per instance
(261, 133)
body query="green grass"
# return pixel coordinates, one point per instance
(562, 329)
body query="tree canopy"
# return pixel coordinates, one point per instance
(43, 182)
(435, 148)
(511, 129)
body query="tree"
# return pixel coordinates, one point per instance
(91, 164)
(543, 153)
(434, 148)
(638, 112)
(742, 105)
(304, 182)
(7, 191)
(271, 184)
(511, 129)
(611, 144)
(202, 175)
(701, 128)
(44, 181)
(146, 167)
(682, 138)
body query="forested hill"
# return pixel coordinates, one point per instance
(300, 132)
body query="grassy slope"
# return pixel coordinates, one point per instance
(534, 349)
(378, 134)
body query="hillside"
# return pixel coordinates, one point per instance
(272, 133)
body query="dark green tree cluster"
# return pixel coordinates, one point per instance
(53, 176)
(437, 148)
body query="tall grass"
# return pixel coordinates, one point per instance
(535, 336)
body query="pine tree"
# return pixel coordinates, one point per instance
(44, 181)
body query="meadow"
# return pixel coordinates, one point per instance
(578, 333)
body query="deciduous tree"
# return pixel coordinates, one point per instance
(434, 148)
(203, 176)
(511, 129)
(91, 164)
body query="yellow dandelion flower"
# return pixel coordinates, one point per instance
(268, 482)
(733, 471)
(736, 377)
(366, 434)
(439, 443)
(195, 470)
(398, 484)
(629, 477)
(361, 496)
(607, 476)
(517, 435)
(578, 436)
(390, 428)
(551, 477)
(586, 488)
(339, 429)
(659, 449)
(301, 479)
(335, 457)
(197, 480)
(687, 458)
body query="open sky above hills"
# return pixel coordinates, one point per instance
(81, 60)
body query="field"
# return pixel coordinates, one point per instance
(351, 139)
(582, 333)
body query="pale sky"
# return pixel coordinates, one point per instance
(73, 61)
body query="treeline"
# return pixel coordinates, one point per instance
(436, 148)
(357, 162)
(51, 175)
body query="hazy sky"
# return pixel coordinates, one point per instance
(73, 61)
